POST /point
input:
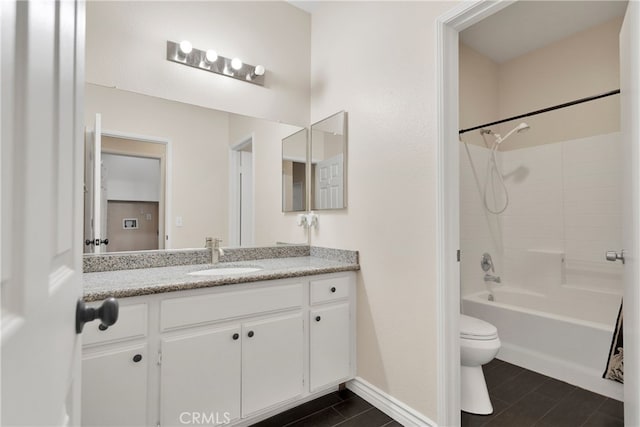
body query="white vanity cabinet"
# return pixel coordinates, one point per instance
(235, 354)
(115, 371)
(200, 373)
(330, 332)
(272, 362)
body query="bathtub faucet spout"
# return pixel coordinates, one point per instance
(491, 278)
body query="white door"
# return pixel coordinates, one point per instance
(630, 126)
(241, 210)
(246, 198)
(329, 183)
(42, 91)
(95, 189)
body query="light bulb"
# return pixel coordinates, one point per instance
(259, 70)
(212, 56)
(186, 47)
(236, 64)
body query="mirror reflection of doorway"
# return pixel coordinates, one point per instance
(132, 187)
(132, 176)
(241, 207)
(141, 237)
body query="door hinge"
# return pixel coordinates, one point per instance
(458, 255)
(159, 358)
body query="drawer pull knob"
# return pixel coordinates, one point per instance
(236, 336)
(137, 358)
(333, 289)
(318, 318)
(250, 334)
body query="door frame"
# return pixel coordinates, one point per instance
(166, 236)
(234, 188)
(448, 27)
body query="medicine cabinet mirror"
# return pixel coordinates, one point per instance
(294, 172)
(329, 163)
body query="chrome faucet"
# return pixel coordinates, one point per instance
(491, 278)
(216, 251)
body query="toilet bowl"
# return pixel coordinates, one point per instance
(479, 344)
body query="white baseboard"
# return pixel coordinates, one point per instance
(391, 406)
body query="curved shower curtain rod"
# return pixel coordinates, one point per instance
(544, 110)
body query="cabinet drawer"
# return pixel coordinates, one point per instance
(326, 290)
(132, 323)
(180, 312)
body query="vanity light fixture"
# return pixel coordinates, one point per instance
(184, 53)
(211, 56)
(236, 64)
(186, 47)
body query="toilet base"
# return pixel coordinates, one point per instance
(474, 393)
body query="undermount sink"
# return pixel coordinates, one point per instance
(225, 271)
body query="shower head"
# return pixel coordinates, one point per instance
(520, 128)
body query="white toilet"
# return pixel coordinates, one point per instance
(479, 344)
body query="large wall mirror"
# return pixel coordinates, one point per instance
(329, 163)
(294, 172)
(171, 174)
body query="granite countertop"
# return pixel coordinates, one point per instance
(146, 281)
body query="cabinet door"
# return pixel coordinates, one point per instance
(330, 344)
(272, 359)
(200, 377)
(114, 387)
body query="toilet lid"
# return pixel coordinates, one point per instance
(476, 329)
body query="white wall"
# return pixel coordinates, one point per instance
(376, 61)
(126, 48)
(271, 224)
(584, 64)
(132, 178)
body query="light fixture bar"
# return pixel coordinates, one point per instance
(197, 58)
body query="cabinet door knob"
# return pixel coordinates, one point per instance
(236, 336)
(137, 358)
(318, 318)
(333, 289)
(250, 334)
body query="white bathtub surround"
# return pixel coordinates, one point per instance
(565, 198)
(565, 335)
(480, 231)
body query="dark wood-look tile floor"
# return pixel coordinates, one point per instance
(340, 409)
(524, 398)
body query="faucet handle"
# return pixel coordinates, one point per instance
(487, 263)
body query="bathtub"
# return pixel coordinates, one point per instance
(566, 335)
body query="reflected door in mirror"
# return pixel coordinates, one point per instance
(328, 163)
